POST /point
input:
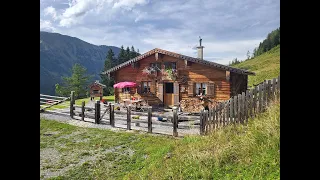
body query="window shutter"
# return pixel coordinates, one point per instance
(139, 88)
(191, 89)
(153, 86)
(160, 92)
(210, 89)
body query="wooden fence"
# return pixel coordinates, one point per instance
(238, 109)
(106, 114)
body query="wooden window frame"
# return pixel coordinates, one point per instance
(202, 88)
(155, 64)
(148, 87)
(166, 64)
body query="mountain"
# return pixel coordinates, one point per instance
(266, 66)
(58, 53)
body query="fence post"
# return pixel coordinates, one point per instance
(235, 113)
(255, 100)
(278, 89)
(239, 108)
(231, 110)
(205, 122)
(274, 81)
(201, 121)
(82, 110)
(228, 112)
(214, 117)
(209, 122)
(111, 115)
(150, 119)
(175, 121)
(71, 103)
(260, 97)
(223, 113)
(97, 112)
(129, 117)
(244, 107)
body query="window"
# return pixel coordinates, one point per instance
(126, 90)
(95, 91)
(170, 65)
(169, 88)
(156, 66)
(146, 87)
(201, 88)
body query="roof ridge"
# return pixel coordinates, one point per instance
(181, 56)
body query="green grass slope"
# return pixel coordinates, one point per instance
(266, 66)
(234, 152)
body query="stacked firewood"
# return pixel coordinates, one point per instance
(195, 105)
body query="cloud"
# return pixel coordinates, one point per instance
(51, 11)
(128, 4)
(228, 28)
(46, 26)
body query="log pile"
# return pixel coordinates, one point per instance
(194, 105)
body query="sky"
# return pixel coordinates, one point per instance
(228, 28)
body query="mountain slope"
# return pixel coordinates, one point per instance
(58, 53)
(266, 66)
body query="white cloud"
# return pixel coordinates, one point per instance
(228, 31)
(51, 11)
(128, 4)
(46, 26)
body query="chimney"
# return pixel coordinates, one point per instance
(200, 50)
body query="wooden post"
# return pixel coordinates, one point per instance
(251, 103)
(231, 110)
(209, 120)
(274, 81)
(235, 109)
(201, 121)
(214, 117)
(228, 112)
(265, 94)
(269, 91)
(82, 110)
(111, 115)
(220, 114)
(150, 119)
(129, 117)
(175, 121)
(255, 100)
(239, 108)
(205, 122)
(260, 97)
(278, 88)
(71, 103)
(245, 105)
(97, 112)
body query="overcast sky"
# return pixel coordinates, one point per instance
(229, 28)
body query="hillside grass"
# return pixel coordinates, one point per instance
(234, 152)
(266, 66)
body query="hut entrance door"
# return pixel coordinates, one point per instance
(171, 93)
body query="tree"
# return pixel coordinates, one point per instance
(108, 90)
(122, 55)
(110, 60)
(248, 54)
(128, 53)
(77, 82)
(133, 53)
(254, 52)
